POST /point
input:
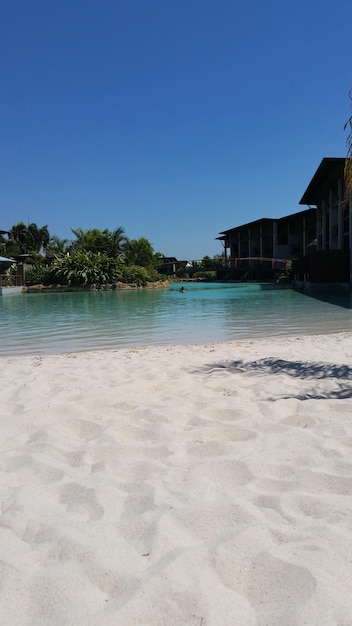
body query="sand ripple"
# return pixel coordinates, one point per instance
(198, 485)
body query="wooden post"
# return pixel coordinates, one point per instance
(319, 227)
(339, 214)
(323, 225)
(260, 240)
(331, 212)
(304, 237)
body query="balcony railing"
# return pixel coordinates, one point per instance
(11, 281)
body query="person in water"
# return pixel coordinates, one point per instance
(182, 289)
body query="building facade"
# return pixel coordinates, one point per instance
(317, 240)
(331, 261)
(326, 192)
(264, 246)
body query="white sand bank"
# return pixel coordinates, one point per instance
(205, 485)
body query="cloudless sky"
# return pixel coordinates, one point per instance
(175, 119)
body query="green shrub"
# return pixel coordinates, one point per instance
(40, 275)
(209, 276)
(133, 274)
(84, 268)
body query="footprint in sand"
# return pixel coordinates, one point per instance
(225, 473)
(82, 501)
(24, 469)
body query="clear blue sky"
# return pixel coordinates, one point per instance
(175, 119)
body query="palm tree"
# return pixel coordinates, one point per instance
(27, 239)
(17, 242)
(56, 247)
(79, 233)
(37, 238)
(139, 252)
(94, 240)
(158, 260)
(118, 241)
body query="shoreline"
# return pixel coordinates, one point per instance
(165, 485)
(169, 346)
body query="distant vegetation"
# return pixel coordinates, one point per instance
(92, 257)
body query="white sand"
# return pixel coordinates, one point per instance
(174, 486)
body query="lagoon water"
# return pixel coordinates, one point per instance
(205, 313)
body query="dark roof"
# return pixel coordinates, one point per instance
(305, 213)
(232, 230)
(171, 259)
(266, 219)
(330, 169)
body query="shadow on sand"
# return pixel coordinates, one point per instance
(297, 369)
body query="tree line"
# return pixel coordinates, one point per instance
(92, 257)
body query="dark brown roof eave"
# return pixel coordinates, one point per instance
(312, 194)
(260, 221)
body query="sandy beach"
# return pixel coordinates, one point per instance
(185, 485)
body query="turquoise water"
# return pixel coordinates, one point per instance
(69, 322)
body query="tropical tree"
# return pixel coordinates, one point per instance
(139, 252)
(219, 260)
(206, 262)
(158, 259)
(16, 243)
(3, 244)
(56, 247)
(105, 241)
(37, 238)
(117, 241)
(91, 240)
(27, 239)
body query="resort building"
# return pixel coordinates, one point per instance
(317, 241)
(330, 261)
(262, 248)
(170, 266)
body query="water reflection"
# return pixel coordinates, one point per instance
(337, 296)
